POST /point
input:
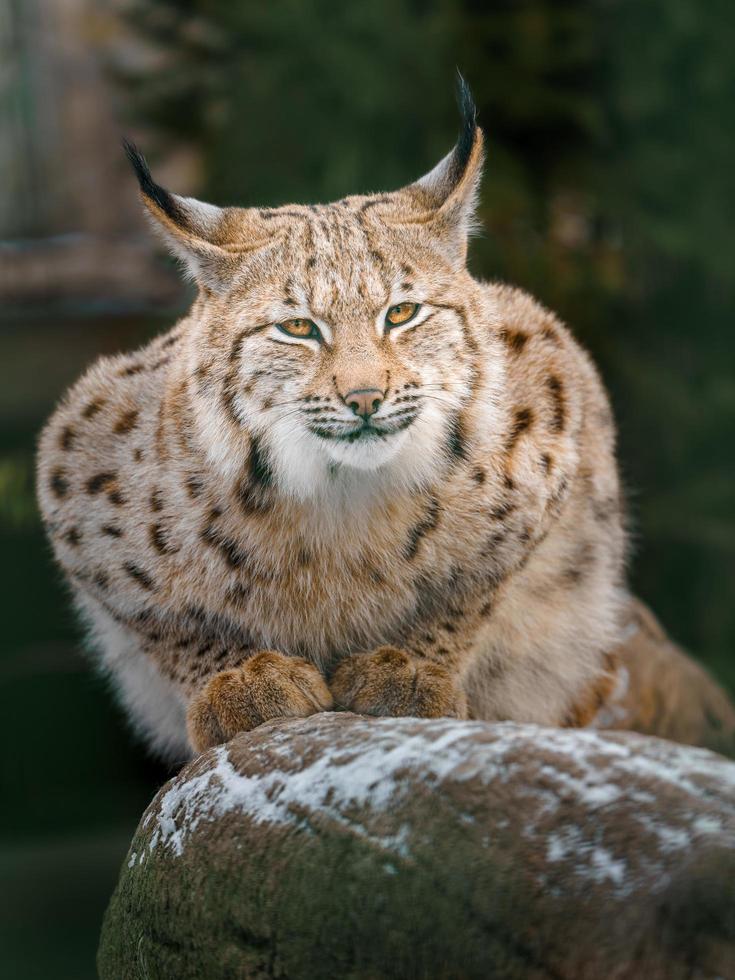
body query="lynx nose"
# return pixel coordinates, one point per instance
(364, 401)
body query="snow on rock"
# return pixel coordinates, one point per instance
(339, 845)
(570, 787)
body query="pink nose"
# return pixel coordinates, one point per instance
(364, 401)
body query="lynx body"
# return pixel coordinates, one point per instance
(291, 502)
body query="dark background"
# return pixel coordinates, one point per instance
(609, 194)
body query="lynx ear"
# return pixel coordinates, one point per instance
(444, 200)
(210, 241)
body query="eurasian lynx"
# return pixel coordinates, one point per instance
(351, 476)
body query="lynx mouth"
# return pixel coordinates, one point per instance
(366, 431)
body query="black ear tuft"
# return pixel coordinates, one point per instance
(468, 124)
(153, 191)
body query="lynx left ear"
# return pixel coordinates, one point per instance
(445, 199)
(210, 241)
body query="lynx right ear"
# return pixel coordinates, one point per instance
(444, 200)
(210, 241)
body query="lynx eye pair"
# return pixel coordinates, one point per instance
(307, 330)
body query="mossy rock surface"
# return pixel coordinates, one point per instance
(343, 847)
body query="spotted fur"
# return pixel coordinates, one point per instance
(211, 497)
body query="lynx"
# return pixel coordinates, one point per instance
(352, 477)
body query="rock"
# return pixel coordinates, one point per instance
(344, 847)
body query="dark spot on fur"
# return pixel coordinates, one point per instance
(490, 546)
(580, 564)
(479, 476)
(111, 530)
(558, 403)
(66, 438)
(560, 491)
(156, 501)
(253, 491)
(233, 554)
(90, 410)
(502, 510)
(101, 580)
(126, 423)
(522, 421)
(59, 484)
(194, 486)
(546, 462)
(269, 213)
(604, 510)
(229, 393)
(129, 371)
(73, 537)
(236, 347)
(427, 524)
(99, 482)
(138, 575)
(456, 440)
(514, 340)
(157, 538)
(138, 455)
(197, 613)
(237, 595)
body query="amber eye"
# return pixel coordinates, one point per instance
(401, 313)
(299, 328)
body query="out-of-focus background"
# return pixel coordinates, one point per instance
(609, 193)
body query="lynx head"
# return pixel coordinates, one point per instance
(337, 334)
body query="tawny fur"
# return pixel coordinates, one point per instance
(209, 498)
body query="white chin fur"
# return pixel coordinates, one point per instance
(366, 454)
(307, 466)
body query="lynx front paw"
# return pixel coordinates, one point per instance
(391, 682)
(268, 685)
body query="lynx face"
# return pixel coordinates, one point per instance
(345, 358)
(336, 334)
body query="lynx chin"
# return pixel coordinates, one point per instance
(351, 477)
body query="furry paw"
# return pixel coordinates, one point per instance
(391, 682)
(267, 685)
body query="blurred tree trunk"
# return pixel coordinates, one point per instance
(60, 161)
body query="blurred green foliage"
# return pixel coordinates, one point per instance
(608, 194)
